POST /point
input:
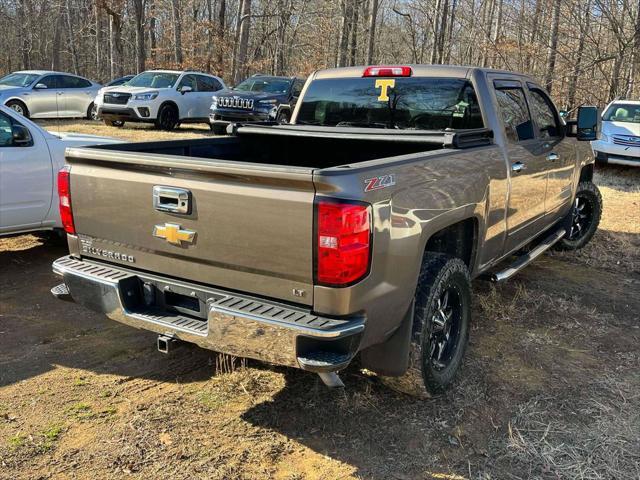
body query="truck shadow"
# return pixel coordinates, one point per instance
(39, 332)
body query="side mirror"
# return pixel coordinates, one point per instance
(40, 86)
(589, 124)
(185, 89)
(20, 136)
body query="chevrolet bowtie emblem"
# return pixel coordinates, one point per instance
(173, 233)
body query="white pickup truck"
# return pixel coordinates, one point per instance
(30, 158)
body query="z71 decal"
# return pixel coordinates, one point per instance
(377, 183)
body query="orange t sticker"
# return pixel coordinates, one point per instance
(384, 84)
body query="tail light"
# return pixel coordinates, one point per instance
(343, 242)
(387, 71)
(64, 195)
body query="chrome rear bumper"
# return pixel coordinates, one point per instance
(214, 319)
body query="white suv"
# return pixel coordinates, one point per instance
(620, 136)
(163, 97)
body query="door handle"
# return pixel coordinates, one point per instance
(518, 167)
(552, 157)
(171, 199)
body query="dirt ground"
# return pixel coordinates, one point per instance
(550, 387)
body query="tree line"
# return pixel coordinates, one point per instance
(583, 51)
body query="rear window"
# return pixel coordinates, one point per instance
(399, 103)
(622, 112)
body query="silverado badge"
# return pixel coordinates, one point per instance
(174, 234)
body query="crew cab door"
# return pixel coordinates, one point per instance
(26, 179)
(559, 152)
(527, 164)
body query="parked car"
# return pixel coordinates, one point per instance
(46, 94)
(258, 98)
(619, 142)
(29, 160)
(357, 229)
(166, 98)
(118, 82)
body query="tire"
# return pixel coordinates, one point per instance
(440, 332)
(114, 123)
(92, 112)
(583, 219)
(218, 129)
(282, 117)
(19, 107)
(167, 118)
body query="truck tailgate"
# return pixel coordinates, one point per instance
(248, 227)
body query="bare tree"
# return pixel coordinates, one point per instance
(114, 10)
(57, 36)
(243, 45)
(584, 21)
(138, 11)
(553, 46)
(99, 39)
(371, 34)
(345, 31)
(177, 31)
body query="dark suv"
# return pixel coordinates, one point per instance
(258, 98)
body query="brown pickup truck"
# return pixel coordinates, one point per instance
(354, 230)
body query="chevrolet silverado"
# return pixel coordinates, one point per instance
(355, 230)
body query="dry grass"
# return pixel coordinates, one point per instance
(131, 132)
(598, 439)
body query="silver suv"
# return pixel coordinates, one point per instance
(47, 94)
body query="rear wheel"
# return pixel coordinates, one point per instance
(92, 112)
(440, 327)
(19, 107)
(167, 118)
(283, 117)
(114, 123)
(583, 219)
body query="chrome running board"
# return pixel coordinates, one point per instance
(524, 260)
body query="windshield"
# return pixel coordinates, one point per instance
(153, 80)
(19, 79)
(622, 112)
(264, 84)
(403, 103)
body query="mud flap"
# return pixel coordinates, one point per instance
(391, 358)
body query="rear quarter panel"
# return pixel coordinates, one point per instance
(432, 190)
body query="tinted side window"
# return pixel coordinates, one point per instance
(6, 136)
(515, 113)
(82, 82)
(51, 81)
(188, 81)
(544, 114)
(66, 81)
(208, 84)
